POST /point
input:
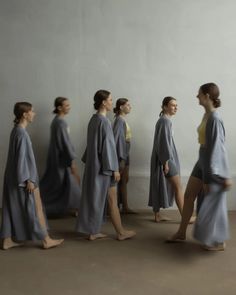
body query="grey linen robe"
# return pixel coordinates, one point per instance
(19, 211)
(161, 194)
(100, 162)
(122, 146)
(59, 188)
(211, 227)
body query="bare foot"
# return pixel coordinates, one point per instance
(192, 220)
(96, 236)
(127, 234)
(51, 243)
(160, 218)
(219, 247)
(176, 238)
(8, 244)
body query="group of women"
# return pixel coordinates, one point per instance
(106, 175)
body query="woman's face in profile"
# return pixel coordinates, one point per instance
(171, 108)
(108, 103)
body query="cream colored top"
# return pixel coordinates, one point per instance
(128, 134)
(202, 130)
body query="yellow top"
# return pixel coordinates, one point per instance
(202, 131)
(128, 134)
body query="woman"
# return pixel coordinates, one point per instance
(122, 134)
(210, 173)
(165, 183)
(60, 184)
(22, 214)
(100, 175)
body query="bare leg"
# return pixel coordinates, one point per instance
(179, 195)
(123, 190)
(39, 208)
(157, 217)
(179, 198)
(193, 188)
(122, 234)
(47, 242)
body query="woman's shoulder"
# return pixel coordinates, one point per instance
(57, 120)
(99, 120)
(19, 131)
(58, 123)
(163, 120)
(19, 134)
(119, 121)
(215, 116)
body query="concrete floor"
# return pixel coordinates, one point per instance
(143, 265)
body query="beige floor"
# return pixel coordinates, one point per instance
(142, 266)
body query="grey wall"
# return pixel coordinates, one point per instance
(141, 49)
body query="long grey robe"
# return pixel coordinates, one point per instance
(161, 194)
(100, 162)
(19, 214)
(122, 146)
(211, 226)
(59, 188)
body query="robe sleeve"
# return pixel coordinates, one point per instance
(67, 149)
(25, 162)
(119, 130)
(216, 161)
(108, 155)
(164, 141)
(84, 157)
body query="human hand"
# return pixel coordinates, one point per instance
(166, 168)
(227, 183)
(116, 176)
(75, 172)
(30, 187)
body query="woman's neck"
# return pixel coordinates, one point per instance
(122, 114)
(23, 124)
(102, 112)
(209, 109)
(61, 115)
(167, 115)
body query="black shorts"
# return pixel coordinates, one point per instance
(197, 171)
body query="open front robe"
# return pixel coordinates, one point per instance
(20, 220)
(59, 188)
(100, 162)
(122, 146)
(161, 194)
(211, 227)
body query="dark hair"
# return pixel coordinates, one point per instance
(165, 103)
(99, 97)
(58, 102)
(213, 91)
(120, 102)
(19, 109)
